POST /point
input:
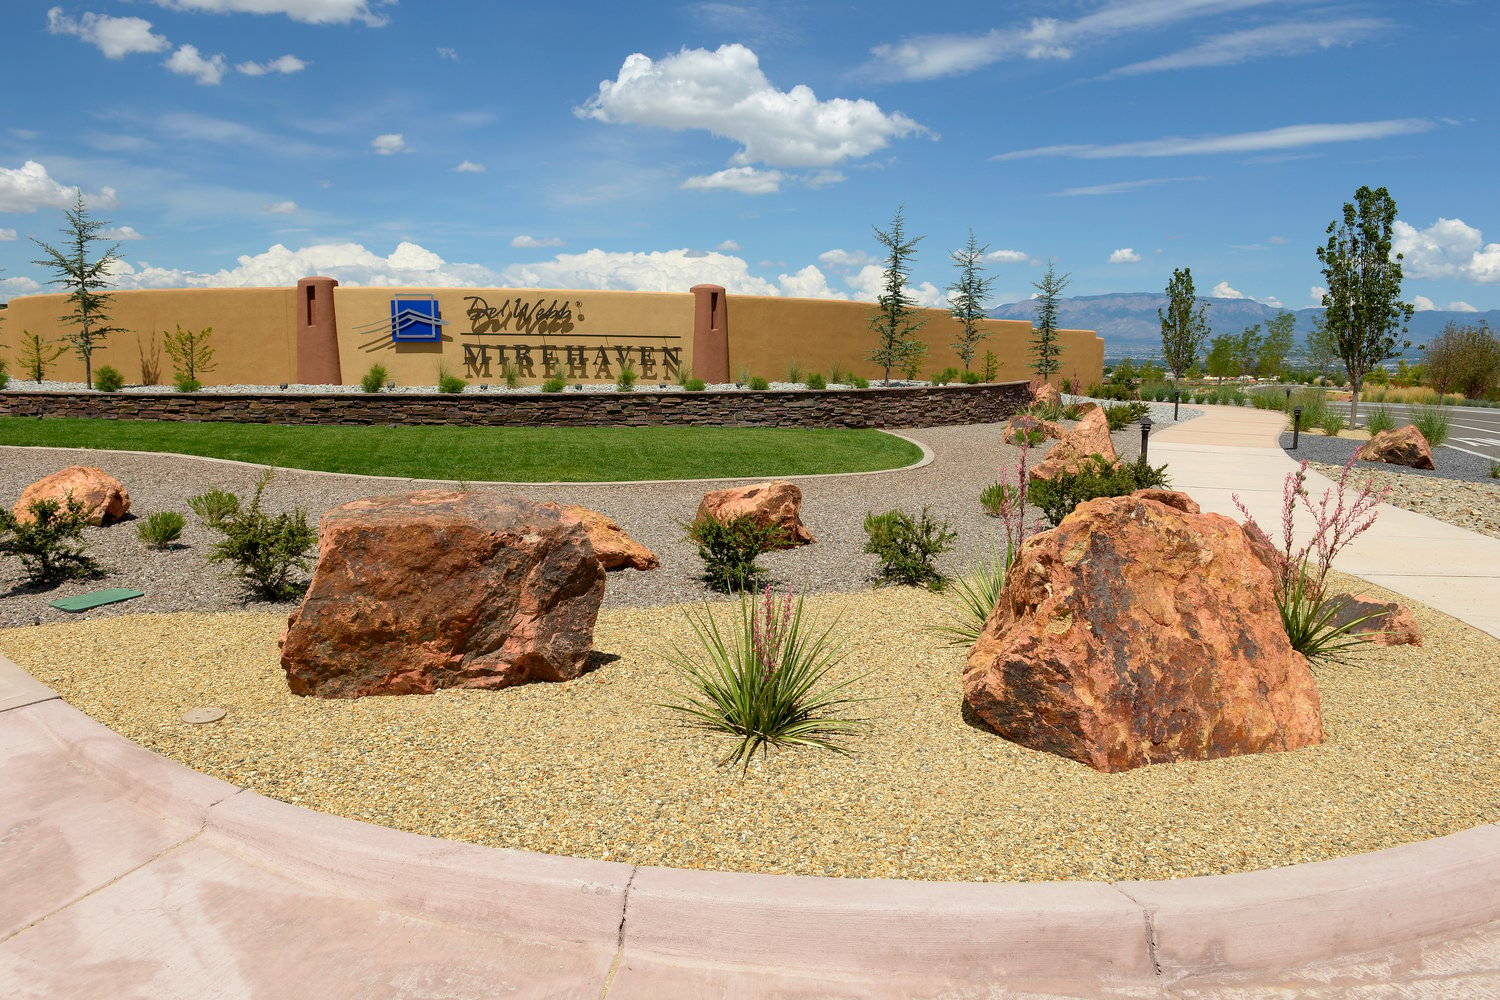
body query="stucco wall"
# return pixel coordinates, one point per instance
(255, 335)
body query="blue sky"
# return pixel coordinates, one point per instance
(656, 146)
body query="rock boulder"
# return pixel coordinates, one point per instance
(614, 548)
(1045, 394)
(777, 502)
(103, 494)
(1018, 427)
(1402, 446)
(1090, 436)
(1393, 624)
(1139, 632)
(439, 589)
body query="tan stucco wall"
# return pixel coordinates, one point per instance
(251, 338)
(255, 331)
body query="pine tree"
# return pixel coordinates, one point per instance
(894, 320)
(966, 298)
(1184, 324)
(84, 278)
(1044, 346)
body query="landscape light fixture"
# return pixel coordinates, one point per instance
(391, 386)
(484, 387)
(1176, 399)
(1145, 433)
(1296, 425)
(283, 385)
(1289, 395)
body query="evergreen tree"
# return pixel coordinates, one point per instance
(1044, 346)
(1184, 324)
(894, 320)
(966, 297)
(84, 277)
(1363, 310)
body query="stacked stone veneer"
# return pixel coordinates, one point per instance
(934, 406)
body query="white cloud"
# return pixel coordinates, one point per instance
(29, 187)
(724, 92)
(728, 246)
(1446, 249)
(449, 54)
(1008, 257)
(1223, 291)
(1125, 255)
(845, 258)
(7, 235)
(869, 285)
(1423, 304)
(1119, 187)
(390, 142)
(925, 57)
(188, 61)
(286, 65)
(655, 271)
(120, 234)
(1316, 293)
(1288, 38)
(532, 243)
(116, 37)
(745, 180)
(1277, 240)
(352, 264)
(1461, 306)
(1285, 137)
(823, 178)
(280, 208)
(808, 283)
(19, 285)
(470, 167)
(306, 11)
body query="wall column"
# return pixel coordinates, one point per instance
(710, 333)
(317, 333)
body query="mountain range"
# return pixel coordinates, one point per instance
(1129, 325)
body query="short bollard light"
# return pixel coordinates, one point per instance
(1176, 398)
(1296, 425)
(484, 387)
(1145, 433)
(283, 385)
(391, 386)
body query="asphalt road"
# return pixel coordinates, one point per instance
(1475, 429)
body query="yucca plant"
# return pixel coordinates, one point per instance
(972, 596)
(763, 682)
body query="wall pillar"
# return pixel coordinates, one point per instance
(710, 333)
(317, 333)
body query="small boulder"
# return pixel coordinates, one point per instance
(1045, 394)
(1402, 446)
(1139, 632)
(1089, 437)
(1020, 426)
(615, 549)
(778, 503)
(439, 589)
(1392, 624)
(104, 495)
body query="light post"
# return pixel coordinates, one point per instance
(1296, 425)
(1145, 434)
(1176, 398)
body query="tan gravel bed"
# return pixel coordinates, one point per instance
(1475, 506)
(590, 768)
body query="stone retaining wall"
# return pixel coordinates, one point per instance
(927, 406)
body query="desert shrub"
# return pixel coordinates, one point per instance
(1125, 414)
(969, 378)
(1332, 422)
(971, 597)
(997, 497)
(374, 380)
(1073, 411)
(448, 382)
(4, 374)
(1268, 399)
(1379, 419)
(264, 549)
(945, 376)
(511, 372)
(625, 381)
(860, 382)
(694, 384)
(1046, 410)
(50, 544)
(989, 366)
(758, 384)
(816, 381)
(554, 383)
(1495, 470)
(793, 371)
(1314, 403)
(1109, 391)
(107, 378)
(214, 506)
(1096, 477)
(1464, 357)
(1433, 422)
(729, 549)
(908, 546)
(161, 529)
(183, 382)
(763, 681)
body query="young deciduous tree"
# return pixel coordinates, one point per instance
(191, 356)
(1363, 309)
(1044, 346)
(1184, 323)
(1270, 355)
(85, 277)
(1465, 358)
(895, 318)
(1322, 351)
(966, 297)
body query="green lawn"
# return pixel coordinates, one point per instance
(511, 454)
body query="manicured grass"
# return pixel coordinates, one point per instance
(510, 454)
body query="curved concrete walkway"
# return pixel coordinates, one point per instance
(126, 875)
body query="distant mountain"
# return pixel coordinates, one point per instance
(1129, 325)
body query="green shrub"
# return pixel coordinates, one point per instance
(1125, 414)
(4, 374)
(184, 382)
(108, 379)
(265, 550)
(972, 597)
(1495, 470)
(555, 383)
(1046, 411)
(763, 682)
(860, 382)
(759, 384)
(729, 549)
(191, 356)
(816, 381)
(625, 381)
(161, 529)
(837, 375)
(990, 366)
(1332, 422)
(1379, 419)
(1433, 422)
(374, 380)
(945, 376)
(511, 373)
(448, 382)
(1056, 497)
(214, 507)
(793, 371)
(908, 546)
(694, 384)
(970, 378)
(50, 543)
(1110, 391)
(995, 497)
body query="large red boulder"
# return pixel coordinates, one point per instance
(613, 548)
(1139, 632)
(1090, 436)
(778, 503)
(1386, 623)
(102, 494)
(440, 589)
(1021, 426)
(1402, 446)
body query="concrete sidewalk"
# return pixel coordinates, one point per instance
(128, 876)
